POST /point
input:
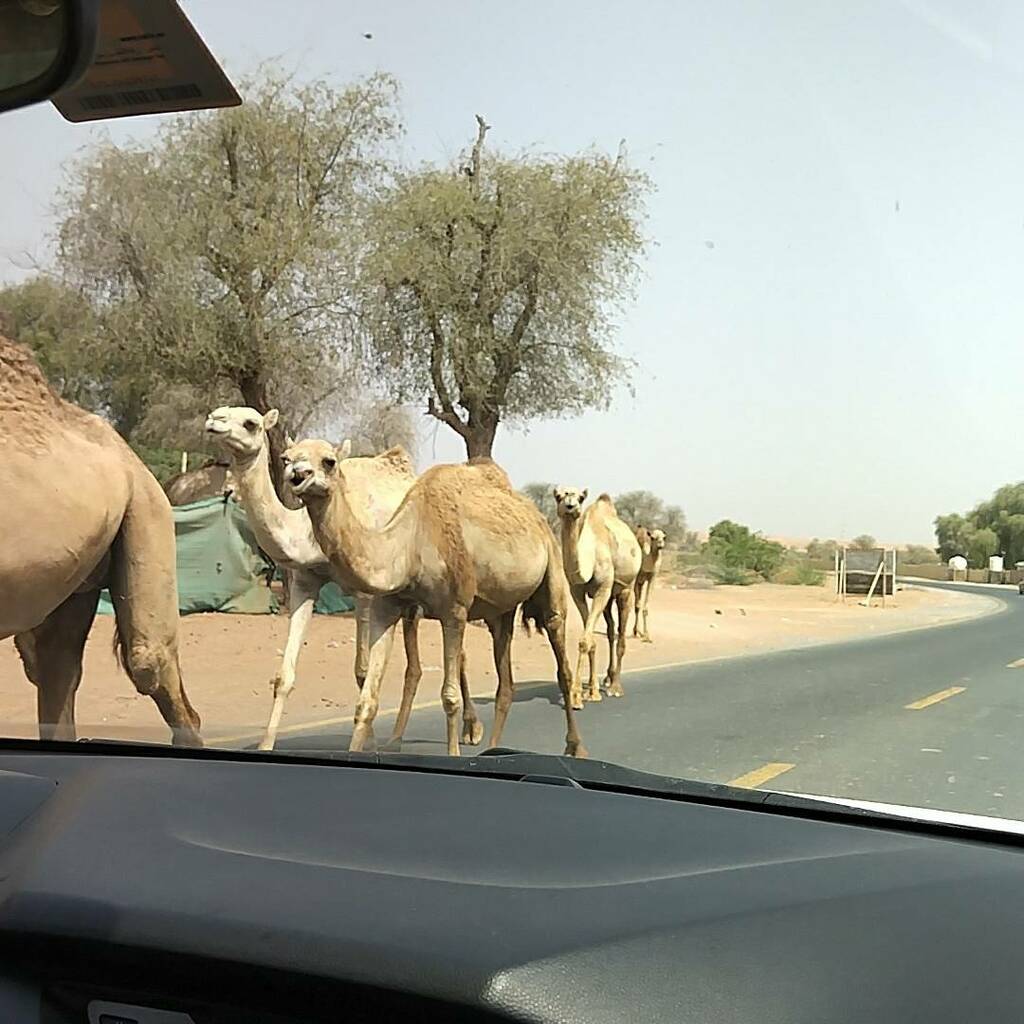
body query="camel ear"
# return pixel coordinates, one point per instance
(344, 450)
(289, 441)
(270, 419)
(583, 495)
(558, 493)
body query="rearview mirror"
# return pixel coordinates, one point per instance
(45, 46)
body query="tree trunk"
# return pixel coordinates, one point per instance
(254, 393)
(479, 435)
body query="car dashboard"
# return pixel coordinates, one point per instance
(158, 888)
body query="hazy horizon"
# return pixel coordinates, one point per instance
(827, 330)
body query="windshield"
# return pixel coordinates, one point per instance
(633, 381)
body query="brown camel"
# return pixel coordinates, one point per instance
(379, 483)
(89, 515)
(211, 480)
(652, 546)
(463, 546)
(602, 559)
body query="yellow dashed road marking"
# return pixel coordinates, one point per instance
(927, 702)
(759, 776)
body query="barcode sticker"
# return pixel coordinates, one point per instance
(149, 60)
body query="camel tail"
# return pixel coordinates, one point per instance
(118, 644)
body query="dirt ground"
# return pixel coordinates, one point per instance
(228, 660)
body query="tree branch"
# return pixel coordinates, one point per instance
(482, 127)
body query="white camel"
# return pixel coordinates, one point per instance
(601, 558)
(379, 484)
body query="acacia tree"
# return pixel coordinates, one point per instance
(543, 496)
(645, 508)
(220, 252)
(489, 286)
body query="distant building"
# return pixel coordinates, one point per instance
(958, 563)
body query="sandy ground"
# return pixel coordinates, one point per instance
(228, 660)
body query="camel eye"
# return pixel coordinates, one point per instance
(329, 464)
(250, 425)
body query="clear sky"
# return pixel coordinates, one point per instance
(830, 323)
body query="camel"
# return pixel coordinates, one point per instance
(652, 545)
(602, 559)
(89, 515)
(211, 480)
(286, 535)
(464, 546)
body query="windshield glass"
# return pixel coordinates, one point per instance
(624, 380)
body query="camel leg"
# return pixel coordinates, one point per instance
(380, 634)
(362, 637)
(411, 619)
(645, 598)
(501, 636)
(303, 589)
(580, 600)
(453, 631)
(554, 627)
(609, 625)
(625, 602)
(472, 727)
(143, 587)
(587, 644)
(52, 656)
(639, 604)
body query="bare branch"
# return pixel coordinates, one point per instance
(482, 127)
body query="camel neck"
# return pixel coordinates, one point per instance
(571, 531)
(270, 519)
(365, 560)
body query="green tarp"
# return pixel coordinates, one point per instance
(220, 565)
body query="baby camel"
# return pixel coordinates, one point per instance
(379, 484)
(463, 546)
(652, 545)
(602, 559)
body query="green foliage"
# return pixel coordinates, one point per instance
(56, 322)
(864, 542)
(489, 286)
(543, 496)
(982, 544)
(800, 573)
(644, 508)
(164, 463)
(917, 554)
(823, 550)
(216, 254)
(952, 535)
(731, 545)
(1002, 515)
(731, 575)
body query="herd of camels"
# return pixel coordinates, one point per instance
(456, 543)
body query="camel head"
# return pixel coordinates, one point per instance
(311, 467)
(569, 501)
(657, 539)
(239, 430)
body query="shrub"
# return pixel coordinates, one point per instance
(732, 575)
(734, 546)
(800, 574)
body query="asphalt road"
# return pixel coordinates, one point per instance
(932, 717)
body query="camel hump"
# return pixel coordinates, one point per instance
(604, 501)
(398, 457)
(21, 379)
(490, 471)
